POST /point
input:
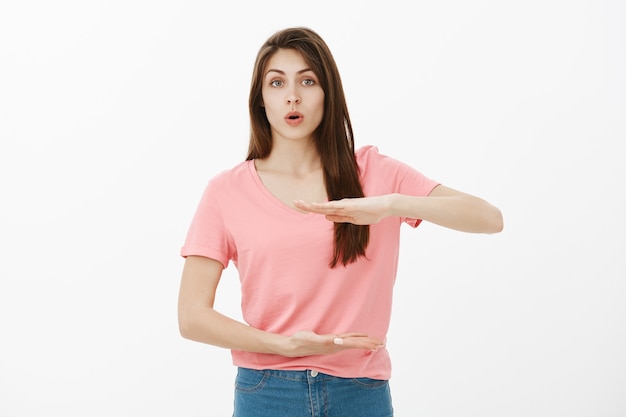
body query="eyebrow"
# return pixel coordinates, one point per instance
(283, 72)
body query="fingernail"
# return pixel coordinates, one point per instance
(338, 341)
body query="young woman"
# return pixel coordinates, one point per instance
(312, 226)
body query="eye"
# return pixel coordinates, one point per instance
(276, 83)
(308, 82)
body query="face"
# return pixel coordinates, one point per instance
(292, 96)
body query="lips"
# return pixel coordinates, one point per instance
(294, 118)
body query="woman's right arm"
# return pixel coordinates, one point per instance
(198, 321)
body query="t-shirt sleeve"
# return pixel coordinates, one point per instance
(207, 235)
(399, 177)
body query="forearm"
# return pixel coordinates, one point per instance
(205, 325)
(459, 212)
(198, 321)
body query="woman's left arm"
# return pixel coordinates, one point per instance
(444, 206)
(449, 208)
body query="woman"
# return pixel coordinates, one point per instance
(313, 227)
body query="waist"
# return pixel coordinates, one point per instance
(351, 363)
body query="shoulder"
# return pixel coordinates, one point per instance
(236, 175)
(366, 154)
(230, 184)
(395, 175)
(369, 158)
(366, 151)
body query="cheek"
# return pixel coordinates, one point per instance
(270, 99)
(319, 103)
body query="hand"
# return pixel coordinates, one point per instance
(306, 343)
(364, 210)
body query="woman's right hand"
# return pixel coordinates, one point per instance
(307, 343)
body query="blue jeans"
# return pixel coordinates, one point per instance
(308, 393)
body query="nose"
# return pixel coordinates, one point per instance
(292, 96)
(293, 99)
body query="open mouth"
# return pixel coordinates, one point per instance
(294, 118)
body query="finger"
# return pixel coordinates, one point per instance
(352, 334)
(312, 204)
(322, 208)
(358, 340)
(338, 341)
(340, 219)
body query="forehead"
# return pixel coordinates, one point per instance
(286, 60)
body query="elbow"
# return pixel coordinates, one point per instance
(194, 322)
(496, 222)
(183, 330)
(185, 324)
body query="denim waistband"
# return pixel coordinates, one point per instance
(294, 375)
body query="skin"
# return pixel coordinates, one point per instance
(443, 206)
(292, 172)
(293, 167)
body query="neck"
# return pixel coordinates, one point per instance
(295, 158)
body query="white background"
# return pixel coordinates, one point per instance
(114, 114)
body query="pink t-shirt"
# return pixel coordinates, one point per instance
(282, 257)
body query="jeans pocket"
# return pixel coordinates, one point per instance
(369, 382)
(249, 380)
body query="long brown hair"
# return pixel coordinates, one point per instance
(333, 137)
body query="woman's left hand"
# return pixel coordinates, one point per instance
(365, 210)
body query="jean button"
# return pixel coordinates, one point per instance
(314, 373)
